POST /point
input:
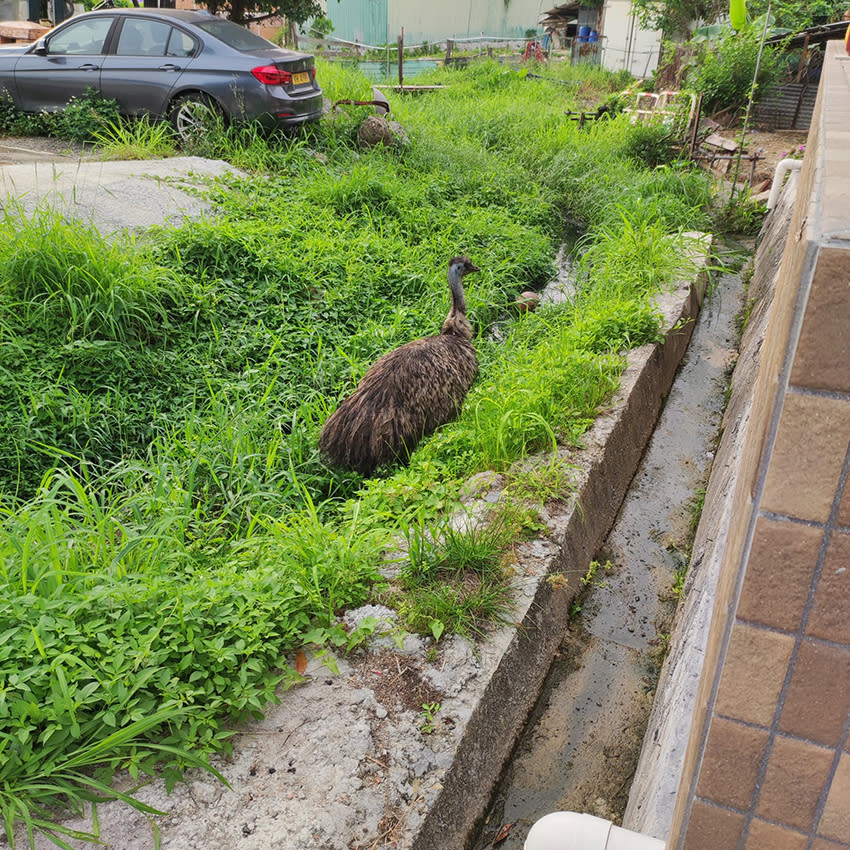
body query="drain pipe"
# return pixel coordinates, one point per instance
(574, 831)
(782, 168)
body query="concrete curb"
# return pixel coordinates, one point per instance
(614, 447)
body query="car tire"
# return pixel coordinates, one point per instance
(193, 115)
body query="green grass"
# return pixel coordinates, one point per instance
(168, 533)
(455, 580)
(136, 139)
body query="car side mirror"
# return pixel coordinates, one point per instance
(40, 48)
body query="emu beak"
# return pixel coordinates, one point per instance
(471, 267)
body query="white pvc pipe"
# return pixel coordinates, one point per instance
(574, 831)
(782, 168)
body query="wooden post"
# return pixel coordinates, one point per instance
(803, 89)
(449, 47)
(695, 131)
(401, 59)
(803, 57)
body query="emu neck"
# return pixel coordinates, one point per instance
(456, 322)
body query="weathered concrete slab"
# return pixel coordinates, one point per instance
(113, 196)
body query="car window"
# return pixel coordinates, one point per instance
(81, 37)
(140, 37)
(233, 35)
(180, 43)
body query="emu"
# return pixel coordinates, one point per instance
(407, 393)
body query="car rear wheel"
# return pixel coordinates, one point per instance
(193, 115)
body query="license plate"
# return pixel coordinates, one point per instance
(300, 78)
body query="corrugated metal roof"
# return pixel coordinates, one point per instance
(811, 36)
(788, 108)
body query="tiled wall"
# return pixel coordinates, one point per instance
(768, 764)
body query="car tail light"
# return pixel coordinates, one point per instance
(271, 75)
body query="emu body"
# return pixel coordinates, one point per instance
(407, 393)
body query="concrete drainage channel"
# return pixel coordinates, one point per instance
(580, 748)
(344, 763)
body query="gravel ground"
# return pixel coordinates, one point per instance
(26, 148)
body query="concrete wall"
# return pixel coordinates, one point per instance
(767, 764)
(433, 21)
(440, 19)
(625, 46)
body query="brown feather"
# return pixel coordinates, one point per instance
(407, 393)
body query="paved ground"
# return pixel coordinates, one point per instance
(114, 196)
(34, 148)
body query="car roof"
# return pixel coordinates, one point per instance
(188, 16)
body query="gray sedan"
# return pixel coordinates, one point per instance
(168, 63)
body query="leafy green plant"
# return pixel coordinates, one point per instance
(428, 716)
(455, 580)
(321, 26)
(678, 587)
(8, 113)
(591, 577)
(15, 122)
(83, 117)
(739, 214)
(69, 782)
(652, 144)
(794, 17)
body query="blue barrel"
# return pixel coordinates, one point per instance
(594, 36)
(583, 33)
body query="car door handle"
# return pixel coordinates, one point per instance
(88, 67)
(170, 67)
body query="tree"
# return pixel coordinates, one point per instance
(677, 18)
(796, 16)
(242, 11)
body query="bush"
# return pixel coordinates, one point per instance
(651, 145)
(723, 71)
(17, 123)
(84, 117)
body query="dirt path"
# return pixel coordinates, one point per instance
(771, 148)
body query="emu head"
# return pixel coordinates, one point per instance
(459, 266)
